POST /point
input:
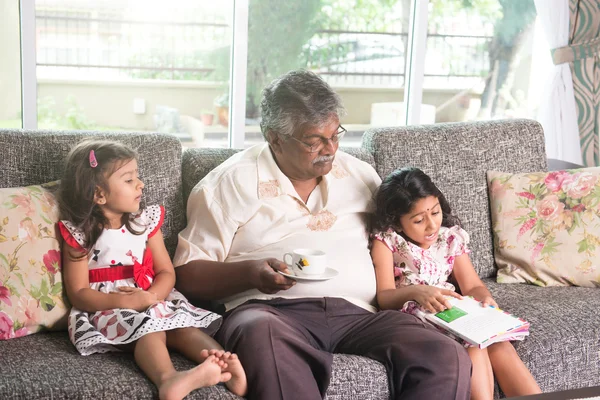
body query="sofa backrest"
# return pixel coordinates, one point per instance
(35, 157)
(457, 156)
(199, 162)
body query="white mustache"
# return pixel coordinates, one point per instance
(323, 159)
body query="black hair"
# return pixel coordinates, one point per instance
(80, 180)
(399, 192)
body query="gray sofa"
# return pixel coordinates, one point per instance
(563, 351)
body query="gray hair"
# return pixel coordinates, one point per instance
(298, 99)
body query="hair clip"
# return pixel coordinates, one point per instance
(93, 161)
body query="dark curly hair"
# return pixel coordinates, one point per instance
(399, 192)
(80, 180)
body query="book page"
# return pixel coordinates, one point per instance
(474, 323)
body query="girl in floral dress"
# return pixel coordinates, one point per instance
(119, 277)
(417, 245)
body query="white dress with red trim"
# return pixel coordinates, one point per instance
(120, 258)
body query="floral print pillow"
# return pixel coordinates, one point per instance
(546, 227)
(31, 292)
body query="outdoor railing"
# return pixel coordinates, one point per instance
(137, 49)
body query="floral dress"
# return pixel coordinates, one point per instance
(414, 265)
(120, 258)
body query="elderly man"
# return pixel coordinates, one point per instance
(297, 191)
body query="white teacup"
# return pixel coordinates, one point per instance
(306, 261)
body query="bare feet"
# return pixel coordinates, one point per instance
(212, 352)
(237, 384)
(180, 384)
(230, 363)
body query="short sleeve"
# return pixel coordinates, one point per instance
(389, 238)
(457, 240)
(71, 235)
(155, 216)
(210, 231)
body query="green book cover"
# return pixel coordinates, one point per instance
(451, 314)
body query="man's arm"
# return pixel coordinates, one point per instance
(201, 270)
(213, 280)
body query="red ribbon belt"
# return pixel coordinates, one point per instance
(139, 272)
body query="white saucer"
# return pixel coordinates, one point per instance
(328, 274)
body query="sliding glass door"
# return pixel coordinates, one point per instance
(10, 65)
(196, 68)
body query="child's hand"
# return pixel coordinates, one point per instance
(142, 299)
(138, 299)
(433, 298)
(127, 289)
(488, 301)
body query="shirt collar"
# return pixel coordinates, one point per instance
(270, 176)
(272, 182)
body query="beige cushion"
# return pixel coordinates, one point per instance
(547, 227)
(31, 292)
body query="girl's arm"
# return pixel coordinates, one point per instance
(388, 297)
(164, 278)
(469, 282)
(77, 284)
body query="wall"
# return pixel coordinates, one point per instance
(110, 104)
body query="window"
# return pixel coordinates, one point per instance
(134, 65)
(357, 47)
(10, 65)
(484, 60)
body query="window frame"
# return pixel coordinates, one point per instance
(414, 71)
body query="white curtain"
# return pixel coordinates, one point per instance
(557, 112)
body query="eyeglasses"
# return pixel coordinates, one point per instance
(319, 143)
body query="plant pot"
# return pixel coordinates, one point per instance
(223, 115)
(207, 119)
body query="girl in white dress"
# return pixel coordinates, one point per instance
(417, 245)
(119, 277)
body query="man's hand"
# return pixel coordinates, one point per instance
(433, 298)
(266, 278)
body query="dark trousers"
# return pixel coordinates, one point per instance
(286, 349)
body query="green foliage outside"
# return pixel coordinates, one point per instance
(284, 35)
(277, 32)
(280, 32)
(11, 124)
(488, 11)
(73, 118)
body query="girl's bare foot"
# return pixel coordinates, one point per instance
(217, 353)
(180, 384)
(237, 384)
(230, 363)
(212, 352)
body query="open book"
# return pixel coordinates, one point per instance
(480, 326)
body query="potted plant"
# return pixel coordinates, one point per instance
(207, 117)
(222, 105)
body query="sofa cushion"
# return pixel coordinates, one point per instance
(196, 163)
(563, 349)
(31, 292)
(35, 157)
(47, 366)
(547, 227)
(457, 156)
